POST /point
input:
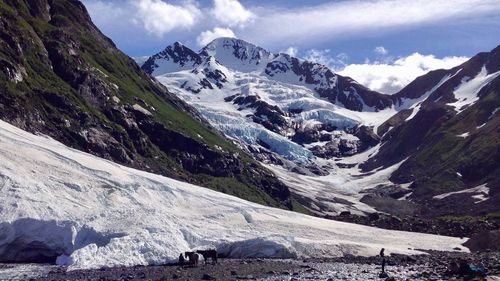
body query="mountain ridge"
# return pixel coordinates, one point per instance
(62, 77)
(274, 95)
(463, 131)
(258, 59)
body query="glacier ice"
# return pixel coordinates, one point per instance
(91, 212)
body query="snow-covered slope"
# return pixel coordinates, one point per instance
(89, 212)
(238, 54)
(272, 101)
(466, 94)
(173, 58)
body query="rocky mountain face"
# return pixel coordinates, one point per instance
(342, 147)
(450, 141)
(178, 56)
(60, 76)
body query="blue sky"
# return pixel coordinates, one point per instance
(336, 33)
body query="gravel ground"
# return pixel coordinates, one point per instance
(399, 267)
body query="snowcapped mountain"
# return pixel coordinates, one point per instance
(62, 205)
(295, 116)
(173, 58)
(338, 145)
(238, 54)
(273, 102)
(450, 139)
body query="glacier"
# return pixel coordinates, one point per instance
(279, 105)
(232, 119)
(81, 211)
(296, 89)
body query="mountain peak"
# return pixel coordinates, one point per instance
(242, 56)
(178, 44)
(173, 58)
(176, 47)
(237, 54)
(229, 41)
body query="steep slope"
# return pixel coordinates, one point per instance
(60, 204)
(451, 139)
(60, 76)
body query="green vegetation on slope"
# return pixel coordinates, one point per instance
(78, 88)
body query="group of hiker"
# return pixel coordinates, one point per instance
(461, 268)
(192, 258)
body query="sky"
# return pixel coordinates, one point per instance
(383, 44)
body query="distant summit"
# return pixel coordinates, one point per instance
(175, 57)
(241, 56)
(304, 118)
(237, 54)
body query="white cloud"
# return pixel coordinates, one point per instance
(105, 13)
(132, 23)
(159, 17)
(389, 78)
(325, 58)
(291, 51)
(208, 36)
(231, 12)
(381, 50)
(350, 18)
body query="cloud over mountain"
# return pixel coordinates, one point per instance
(390, 77)
(158, 17)
(280, 24)
(231, 12)
(207, 36)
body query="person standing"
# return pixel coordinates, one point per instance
(382, 255)
(182, 260)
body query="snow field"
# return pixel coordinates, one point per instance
(94, 213)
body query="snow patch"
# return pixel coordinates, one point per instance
(466, 93)
(414, 112)
(415, 104)
(494, 112)
(489, 118)
(482, 190)
(141, 109)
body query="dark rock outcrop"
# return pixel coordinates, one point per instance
(447, 149)
(177, 54)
